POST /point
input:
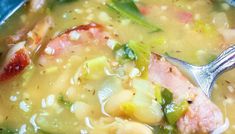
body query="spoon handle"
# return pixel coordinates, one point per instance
(224, 62)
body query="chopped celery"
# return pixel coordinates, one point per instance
(137, 52)
(129, 9)
(173, 111)
(61, 100)
(167, 97)
(143, 56)
(94, 68)
(158, 94)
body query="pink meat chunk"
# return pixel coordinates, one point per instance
(85, 34)
(92, 33)
(203, 116)
(16, 60)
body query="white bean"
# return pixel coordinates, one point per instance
(133, 128)
(150, 114)
(81, 110)
(113, 104)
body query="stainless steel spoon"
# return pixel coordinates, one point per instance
(231, 2)
(9, 7)
(205, 76)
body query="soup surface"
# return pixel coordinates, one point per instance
(91, 66)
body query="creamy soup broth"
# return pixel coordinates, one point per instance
(47, 97)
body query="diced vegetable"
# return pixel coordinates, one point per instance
(158, 94)
(173, 111)
(61, 100)
(167, 97)
(128, 9)
(137, 52)
(94, 68)
(126, 53)
(143, 56)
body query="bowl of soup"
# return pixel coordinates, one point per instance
(93, 67)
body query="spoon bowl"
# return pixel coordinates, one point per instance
(205, 76)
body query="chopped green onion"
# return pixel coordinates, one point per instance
(143, 56)
(125, 53)
(137, 52)
(129, 9)
(173, 111)
(167, 97)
